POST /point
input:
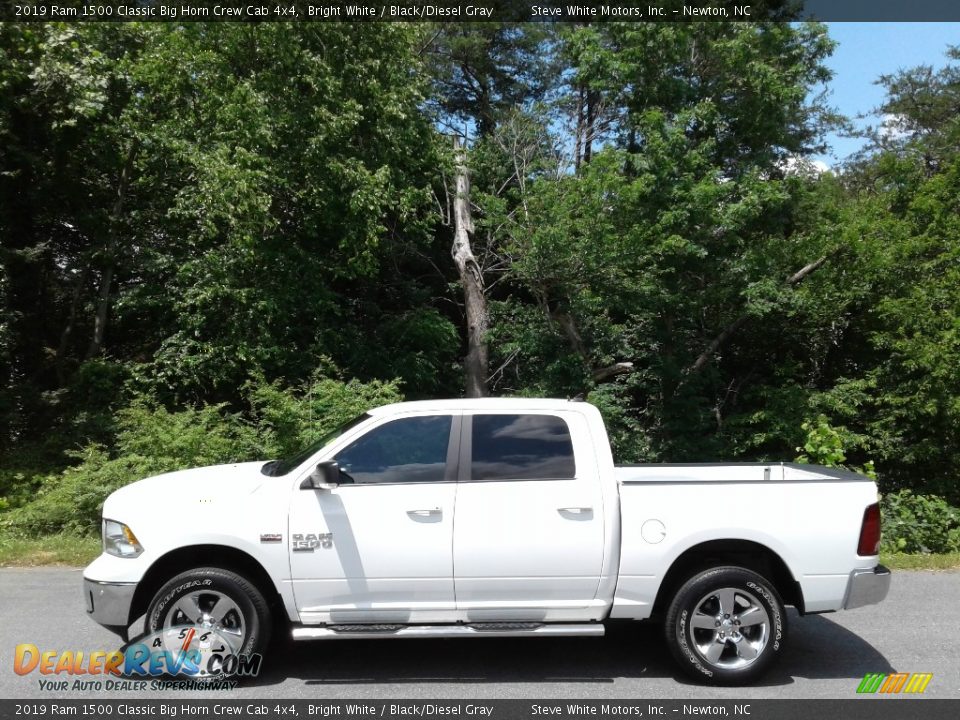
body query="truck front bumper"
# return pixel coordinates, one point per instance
(109, 604)
(867, 587)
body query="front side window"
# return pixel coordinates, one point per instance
(406, 450)
(521, 447)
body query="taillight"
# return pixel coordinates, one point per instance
(870, 531)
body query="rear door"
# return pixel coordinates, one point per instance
(528, 537)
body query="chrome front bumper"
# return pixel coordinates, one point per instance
(867, 587)
(109, 604)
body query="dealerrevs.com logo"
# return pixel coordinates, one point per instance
(181, 658)
(894, 683)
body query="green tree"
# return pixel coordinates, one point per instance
(676, 256)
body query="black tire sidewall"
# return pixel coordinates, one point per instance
(246, 595)
(683, 606)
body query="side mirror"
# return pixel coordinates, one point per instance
(326, 476)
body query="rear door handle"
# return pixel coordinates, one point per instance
(425, 512)
(575, 510)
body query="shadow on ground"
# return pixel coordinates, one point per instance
(818, 649)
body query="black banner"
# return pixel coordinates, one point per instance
(863, 708)
(481, 11)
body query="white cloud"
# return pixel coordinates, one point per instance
(893, 127)
(805, 167)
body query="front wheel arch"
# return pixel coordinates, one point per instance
(192, 556)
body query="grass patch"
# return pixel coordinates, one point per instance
(62, 549)
(929, 561)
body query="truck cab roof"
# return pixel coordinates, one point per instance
(475, 404)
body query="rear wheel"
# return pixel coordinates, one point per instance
(726, 626)
(211, 611)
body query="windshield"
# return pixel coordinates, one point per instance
(286, 464)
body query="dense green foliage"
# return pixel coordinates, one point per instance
(206, 229)
(919, 524)
(151, 440)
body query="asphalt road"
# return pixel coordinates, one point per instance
(917, 629)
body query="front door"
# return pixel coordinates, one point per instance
(378, 548)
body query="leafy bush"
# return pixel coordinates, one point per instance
(826, 445)
(289, 419)
(629, 441)
(153, 440)
(919, 523)
(71, 501)
(911, 523)
(20, 476)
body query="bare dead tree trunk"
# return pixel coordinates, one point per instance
(106, 278)
(605, 374)
(732, 328)
(476, 364)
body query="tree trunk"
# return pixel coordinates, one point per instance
(106, 279)
(568, 326)
(608, 373)
(578, 133)
(64, 345)
(591, 126)
(476, 364)
(103, 307)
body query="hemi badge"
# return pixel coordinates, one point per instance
(271, 537)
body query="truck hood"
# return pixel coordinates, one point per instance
(196, 488)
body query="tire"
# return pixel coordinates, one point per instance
(212, 599)
(726, 626)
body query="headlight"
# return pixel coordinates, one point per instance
(119, 540)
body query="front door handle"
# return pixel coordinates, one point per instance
(575, 510)
(425, 512)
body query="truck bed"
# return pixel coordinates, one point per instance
(732, 472)
(668, 509)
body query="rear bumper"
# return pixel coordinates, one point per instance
(109, 603)
(867, 587)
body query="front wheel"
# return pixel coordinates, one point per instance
(726, 626)
(215, 614)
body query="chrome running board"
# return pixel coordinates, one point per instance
(356, 631)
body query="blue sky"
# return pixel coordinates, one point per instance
(868, 50)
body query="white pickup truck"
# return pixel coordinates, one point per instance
(489, 518)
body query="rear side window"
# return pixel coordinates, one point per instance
(521, 447)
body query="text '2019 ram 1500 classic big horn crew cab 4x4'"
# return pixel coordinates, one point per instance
(489, 518)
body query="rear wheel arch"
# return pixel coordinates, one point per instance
(741, 553)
